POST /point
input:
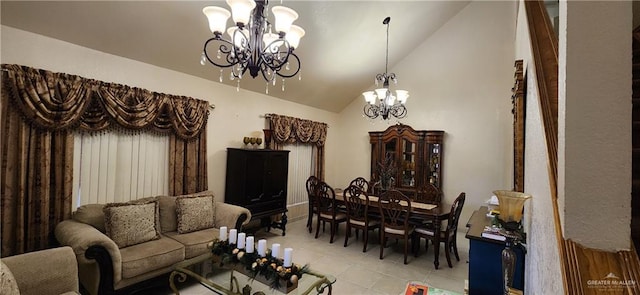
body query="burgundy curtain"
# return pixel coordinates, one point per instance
(290, 130)
(40, 110)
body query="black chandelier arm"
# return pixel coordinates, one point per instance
(225, 48)
(398, 110)
(371, 110)
(275, 60)
(298, 65)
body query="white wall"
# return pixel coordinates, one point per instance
(542, 268)
(594, 122)
(460, 81)
(237, 114)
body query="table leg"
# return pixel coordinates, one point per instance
(181, 278)
(436, 247)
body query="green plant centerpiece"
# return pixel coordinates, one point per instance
(269, 267)
(386, 170)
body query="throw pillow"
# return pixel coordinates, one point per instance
(130, 224)
(195, 213)
(91, 214)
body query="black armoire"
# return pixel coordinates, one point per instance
(257, 180)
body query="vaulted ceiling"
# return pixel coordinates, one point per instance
(342, 51)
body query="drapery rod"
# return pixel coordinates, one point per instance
(267, 116)
(212, 106)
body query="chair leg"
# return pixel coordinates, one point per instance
(334, 228)
(447, 251)
(406, 248)
(318, 227)
(331, 231)
(310, 220)
(382, 242)
(366, 238)
(455, 248)
(347, 234)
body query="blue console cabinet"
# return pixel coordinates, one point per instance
(485, 259)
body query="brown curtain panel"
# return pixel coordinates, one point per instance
(290, 130)
(187, 165)
(40, 110)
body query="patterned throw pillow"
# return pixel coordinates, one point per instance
(195, 213)
(131, 223)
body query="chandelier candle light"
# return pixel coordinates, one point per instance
(382, 102)
(254, 44)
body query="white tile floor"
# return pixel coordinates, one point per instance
(365, 273)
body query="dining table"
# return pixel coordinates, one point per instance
(421, 213)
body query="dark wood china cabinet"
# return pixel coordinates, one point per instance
(412, 159)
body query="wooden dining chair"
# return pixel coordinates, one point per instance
(395, 219)
(428, 193)
(448, 235)
(312, 186)
(327, 209)
(362, 184)
(357, 205)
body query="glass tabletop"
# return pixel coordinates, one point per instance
(230, 279)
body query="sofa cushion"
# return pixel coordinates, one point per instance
(168, 216)
(8, 284)
(150, 256)
(91, 214)
(195, 243)
(130, 223)
(195, 213)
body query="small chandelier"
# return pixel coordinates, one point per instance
(382, 102)
(254, 46)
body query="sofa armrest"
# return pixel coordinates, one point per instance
(99, 260)
(51, 271)
(231, 216)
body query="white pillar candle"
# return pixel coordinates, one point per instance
(288, 252)
(233, 236)
(250, 245)
(223, 233)
(262, 247)
(275, 250)
(241, 240)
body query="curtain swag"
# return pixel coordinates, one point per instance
(57, 101)
(289, 130)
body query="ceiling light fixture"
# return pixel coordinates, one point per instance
(254, 47)
(382, 102)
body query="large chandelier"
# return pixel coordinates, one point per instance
(254, 43)
(382, 102)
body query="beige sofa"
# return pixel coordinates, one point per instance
(108, 265)
(51, 271)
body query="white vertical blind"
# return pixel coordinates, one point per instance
(119, 167)
(300, 168)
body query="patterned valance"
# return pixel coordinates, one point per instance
(289, 130)
(57, 101)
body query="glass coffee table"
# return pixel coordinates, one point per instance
(227, 279)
